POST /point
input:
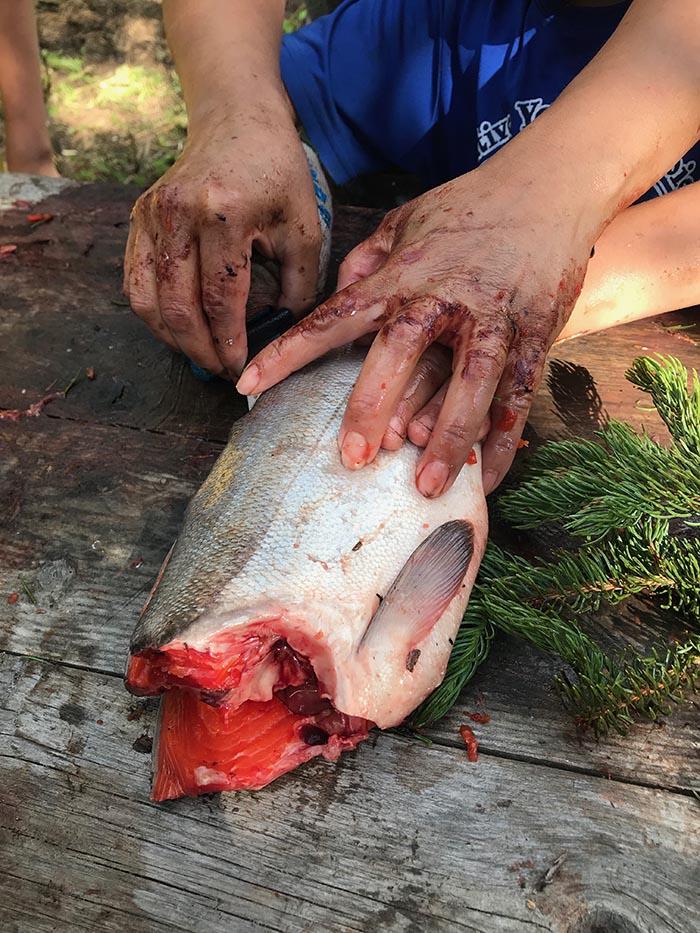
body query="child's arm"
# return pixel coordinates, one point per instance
(27, 143)
(647, 261)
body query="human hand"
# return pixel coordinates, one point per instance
(238, 184)
(480, 265)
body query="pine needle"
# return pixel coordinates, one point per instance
(632, 507)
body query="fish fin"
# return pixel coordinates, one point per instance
(424, 588)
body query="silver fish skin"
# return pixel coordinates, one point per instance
(356, 570)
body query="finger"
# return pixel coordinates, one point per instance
(225, 283)
(523, 373)
(141, 287)
(432, 370)
(179, 300)
(421, 427)
(485, 428)
(367, 257)
(385, 373)
(478, 369)
(343, 318)
(299, 261)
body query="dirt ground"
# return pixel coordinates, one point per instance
(114, 102)
(113, 97)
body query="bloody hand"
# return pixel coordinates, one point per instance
(187, 265)
(477, 265)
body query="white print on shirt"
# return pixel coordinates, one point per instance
(681, 174)
(529, 109)
(492, 136)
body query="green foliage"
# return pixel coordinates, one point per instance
(296, 19)
(65, 64)
(666, 380)
(613, 695)
(632, 510)
(471, 647)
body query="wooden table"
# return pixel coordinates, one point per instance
(397, 836)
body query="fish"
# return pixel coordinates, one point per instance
(303, 604)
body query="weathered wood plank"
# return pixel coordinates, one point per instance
(529, 723)
(378, 842)
(62, 311)
(91, 512)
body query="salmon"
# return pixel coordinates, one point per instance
(302, 604)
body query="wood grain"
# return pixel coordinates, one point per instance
(62, 311)
(396, 837)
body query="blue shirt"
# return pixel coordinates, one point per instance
(434, 87)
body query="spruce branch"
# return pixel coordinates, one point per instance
(666, 380)
(546, 630)
(633, 506)
(627, 479)
(648, 686)
(581, 581)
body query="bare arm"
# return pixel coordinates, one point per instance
(242, 181)
(27, 144)
(227, 57)
(646, 262)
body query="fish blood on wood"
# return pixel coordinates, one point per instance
(264, 631)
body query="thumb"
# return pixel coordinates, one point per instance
(366, 258)
(299, 259)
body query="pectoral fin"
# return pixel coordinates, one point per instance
(424, 588)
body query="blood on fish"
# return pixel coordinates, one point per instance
(472, 458)
(312, 735)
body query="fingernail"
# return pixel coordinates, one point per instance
(490, 481)
(249, 380)
(355, 451)
(392, 440)
(432, 478)
(397, 426)
(418, 433)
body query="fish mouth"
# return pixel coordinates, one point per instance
(239, 714)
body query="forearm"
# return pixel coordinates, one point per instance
(621, 123)
(227, 56)
(20, 85)
(646, 262)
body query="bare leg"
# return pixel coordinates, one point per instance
(27, 143)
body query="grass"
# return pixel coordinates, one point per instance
(123, 123)
(119, 122)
